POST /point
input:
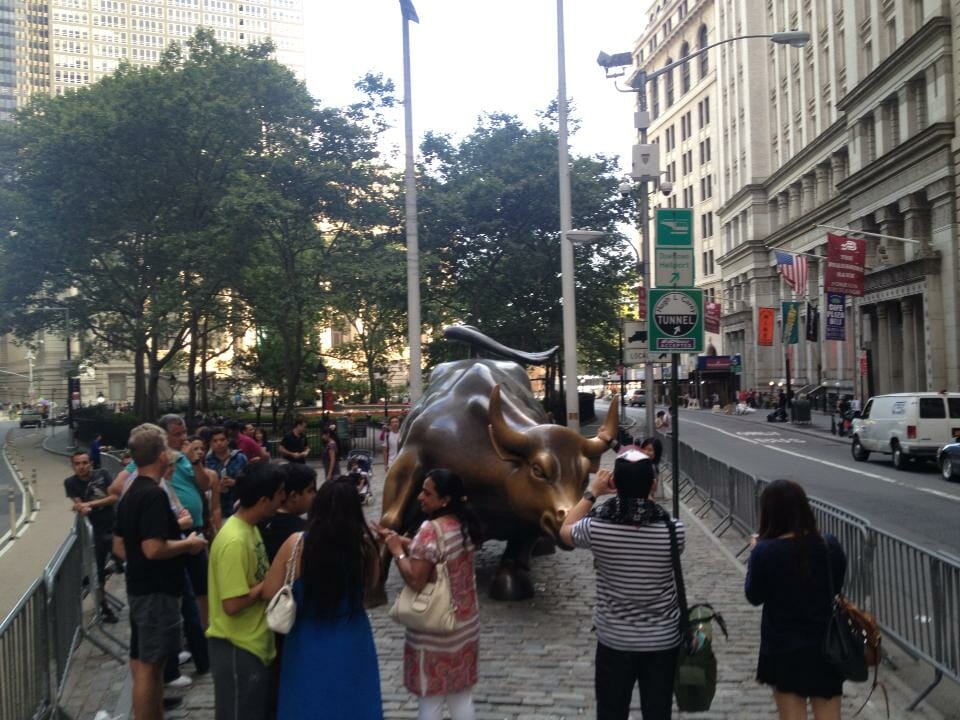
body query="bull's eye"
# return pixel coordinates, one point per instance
(538, 472)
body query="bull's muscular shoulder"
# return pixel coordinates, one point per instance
(458, 398)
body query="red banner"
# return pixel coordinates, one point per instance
(642, 300)
(711, 320)
(845, 265)
(766, 323)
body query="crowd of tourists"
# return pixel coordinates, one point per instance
(208, 531)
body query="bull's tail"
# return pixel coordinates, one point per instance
(480, 342)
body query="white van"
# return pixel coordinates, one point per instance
(906, 425)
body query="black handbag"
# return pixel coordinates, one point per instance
(695, 682)
(844, 643)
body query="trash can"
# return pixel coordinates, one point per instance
(801, 412)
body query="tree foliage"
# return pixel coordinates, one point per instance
(490, 233)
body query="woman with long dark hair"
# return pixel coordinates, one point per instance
(329, 662)
(438, 667)
(788, 574)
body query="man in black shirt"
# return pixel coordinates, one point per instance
(88, 488)
(294, 444)
(300, 485)
(148, 536)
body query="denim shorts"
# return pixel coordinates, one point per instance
(154, 627)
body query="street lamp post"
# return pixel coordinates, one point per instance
(646, 169)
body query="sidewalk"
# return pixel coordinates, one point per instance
(536, 658)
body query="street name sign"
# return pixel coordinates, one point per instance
(676, 320)
(674, 267)
(674, 227)
(634, 342)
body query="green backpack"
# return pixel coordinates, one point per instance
(695, 682)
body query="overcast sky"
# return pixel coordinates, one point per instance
(469, 58)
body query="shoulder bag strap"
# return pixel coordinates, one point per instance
(292, 561)
(441, 544)
(678, 580)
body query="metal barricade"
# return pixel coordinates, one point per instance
(64, 580)
(917, 603)
(852, 531)
(25, 690)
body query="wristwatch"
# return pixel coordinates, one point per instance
(589, 496)
(401, 556)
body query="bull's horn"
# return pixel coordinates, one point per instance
(595, 447)
(506, 440)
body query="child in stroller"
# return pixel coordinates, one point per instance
(360, 470)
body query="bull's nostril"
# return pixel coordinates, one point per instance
(561, 514)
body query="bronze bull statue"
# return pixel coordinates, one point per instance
(480, 419)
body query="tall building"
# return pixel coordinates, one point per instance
(854, 130)
(683, 121)
(59, 45)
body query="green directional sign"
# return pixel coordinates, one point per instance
(674, 267)
(674, 227)
(675, 319)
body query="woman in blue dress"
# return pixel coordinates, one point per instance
(328, 663)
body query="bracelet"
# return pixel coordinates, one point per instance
(401, 556)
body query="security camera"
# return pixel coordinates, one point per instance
(608, 61)
(666, 187)
(625, 188)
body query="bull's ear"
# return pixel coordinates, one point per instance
(501, 453)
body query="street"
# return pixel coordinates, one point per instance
(916, 504)
(6, 479)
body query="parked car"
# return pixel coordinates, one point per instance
(949, 460)
(638, 398)
(31, 418)
(907, 426)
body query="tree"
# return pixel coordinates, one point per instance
(490, 227)
(116, 196)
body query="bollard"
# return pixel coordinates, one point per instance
(33, 489)
(12, 503)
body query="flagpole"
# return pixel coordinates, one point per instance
(415, 379)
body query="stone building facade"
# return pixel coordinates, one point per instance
(857, 130)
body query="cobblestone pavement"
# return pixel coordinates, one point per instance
(536, 657)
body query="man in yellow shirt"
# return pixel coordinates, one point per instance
(241, 644)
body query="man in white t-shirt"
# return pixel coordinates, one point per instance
(391, 442)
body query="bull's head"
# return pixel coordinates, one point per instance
(551, 464)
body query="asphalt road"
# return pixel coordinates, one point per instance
(916, 504)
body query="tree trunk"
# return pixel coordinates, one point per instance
(192, 364)
(204, 393)
(140, 385)
(153, 382)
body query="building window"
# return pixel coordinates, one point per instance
(684, 69)
(868, 139)
(688, 197)
(703, 112)
(706, 187)
(702, 43)
(654, 100)
(919, 92)
(687, 159)
(671, 137)
(669, 84)
(706, 225)
(705, 151)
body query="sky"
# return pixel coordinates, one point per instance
(470, 58)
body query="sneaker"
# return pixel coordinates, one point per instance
(184, 681)
(184, 657)
(108, 616)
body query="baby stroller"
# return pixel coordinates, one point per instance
(360, 470)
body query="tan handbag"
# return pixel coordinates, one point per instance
(432, 609)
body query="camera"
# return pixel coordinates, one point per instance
(666, 187)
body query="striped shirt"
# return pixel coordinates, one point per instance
(637, 607)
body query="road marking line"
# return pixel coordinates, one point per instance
(838, 466)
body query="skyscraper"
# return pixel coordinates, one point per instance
(65, 44)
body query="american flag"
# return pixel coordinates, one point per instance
(794, 271)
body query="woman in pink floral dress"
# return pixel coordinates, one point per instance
(442, 667)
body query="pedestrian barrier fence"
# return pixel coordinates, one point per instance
(39, 637)
(914, 592)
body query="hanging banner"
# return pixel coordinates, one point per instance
(790, 319)
(813, 323)
(642, 303)
(766, 320)
(846, 258)
(836, 317)
(711, 322)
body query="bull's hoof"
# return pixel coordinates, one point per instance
(375, 598)
(544, 546)
(510, 584)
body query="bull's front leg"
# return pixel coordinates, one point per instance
(399, 491)
(512, 581)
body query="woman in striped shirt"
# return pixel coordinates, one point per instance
(442, 667)
(637, 613)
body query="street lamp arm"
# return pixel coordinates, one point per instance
(640, 77)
